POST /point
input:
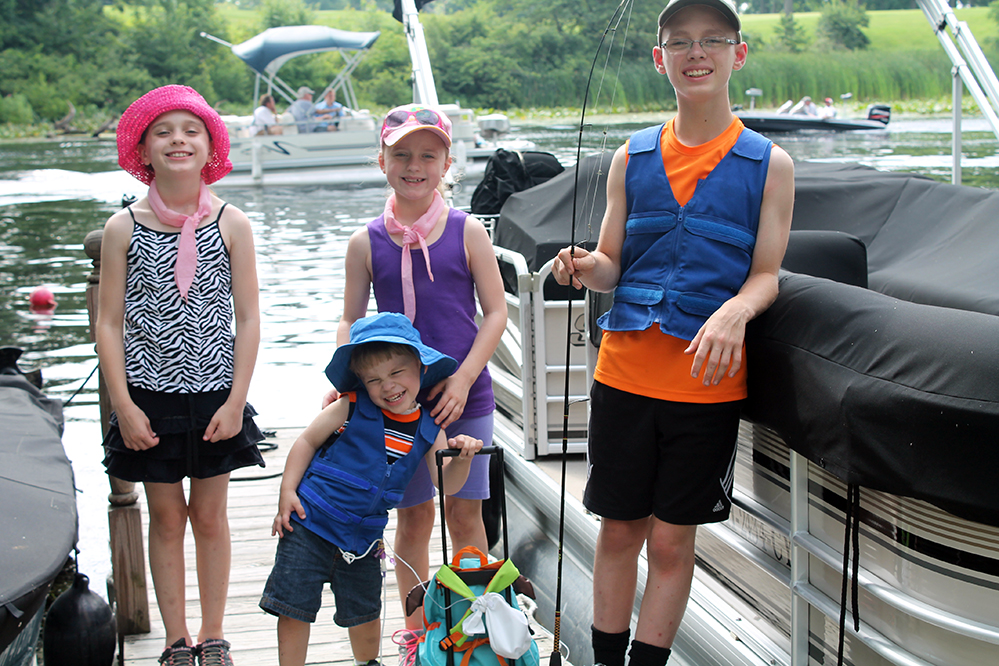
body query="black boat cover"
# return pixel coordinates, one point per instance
(895, 387)
(37, 502)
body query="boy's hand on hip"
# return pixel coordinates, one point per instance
(717, 347)
(282, 521)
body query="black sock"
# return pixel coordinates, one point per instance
(643, 654)
(609, 649)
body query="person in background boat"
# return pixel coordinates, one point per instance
(429, 261)
(805, 107)
(301, 110)
(330, 111)
(377, 434)
(697, 220)
(827, 110)
(176, 267)
(265, 118)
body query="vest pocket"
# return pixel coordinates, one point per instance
(696, 304)
(319, 468)
(332, 512)
(632, 309)
(721, 231)
(655, 222)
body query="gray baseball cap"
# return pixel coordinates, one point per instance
(726, 7)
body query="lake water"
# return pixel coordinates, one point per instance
(52, 193)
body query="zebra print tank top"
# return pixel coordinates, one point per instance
(172, 345)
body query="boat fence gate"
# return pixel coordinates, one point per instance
(970, 67)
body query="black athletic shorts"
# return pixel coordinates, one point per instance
(646, 456)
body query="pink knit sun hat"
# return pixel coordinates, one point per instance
(155, 103)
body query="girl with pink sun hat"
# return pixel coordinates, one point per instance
(177, 267)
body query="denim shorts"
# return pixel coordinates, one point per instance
(421, 487)
(304, 563)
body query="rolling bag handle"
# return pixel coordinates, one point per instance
(441, 455)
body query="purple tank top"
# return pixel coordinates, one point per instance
(445, 308)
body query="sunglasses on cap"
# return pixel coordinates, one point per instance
(423, 117)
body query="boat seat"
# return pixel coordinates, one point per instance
(833, 255)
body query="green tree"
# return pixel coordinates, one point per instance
(791, 36)
(164, 40)
(840, 25)
(276, 13)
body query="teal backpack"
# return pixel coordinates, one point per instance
(457, 629)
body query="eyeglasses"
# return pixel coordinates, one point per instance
(423, 117)
(708, 44)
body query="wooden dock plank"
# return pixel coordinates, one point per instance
(252, 632)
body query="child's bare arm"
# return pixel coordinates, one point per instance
(356, 291)
(228, 420)
(456, 468)
(601, 268)
(302, 451)
(492, 301)
(717, 347)
(132, 421)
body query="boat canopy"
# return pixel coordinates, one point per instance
(268, 51)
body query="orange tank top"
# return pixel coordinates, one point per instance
(649, 362)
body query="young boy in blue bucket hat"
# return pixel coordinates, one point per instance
(343, 474)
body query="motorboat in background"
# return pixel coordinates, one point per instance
(873, 373)
(346, 156)
(878, 116)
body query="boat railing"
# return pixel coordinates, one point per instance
(971, 68)
(816, 566)
(537, 318)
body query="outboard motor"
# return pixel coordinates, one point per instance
(879, 112)
(80, 628)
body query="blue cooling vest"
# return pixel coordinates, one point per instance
(349, 486)
(679, 264)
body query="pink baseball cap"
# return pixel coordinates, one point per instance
(404, 120)
(143, 111)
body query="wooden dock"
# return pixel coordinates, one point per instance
(252, 632)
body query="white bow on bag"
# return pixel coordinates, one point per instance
(509, 634)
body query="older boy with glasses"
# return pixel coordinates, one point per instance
(697, 220)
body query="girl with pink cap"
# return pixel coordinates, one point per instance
(176, 267)
(429, 262)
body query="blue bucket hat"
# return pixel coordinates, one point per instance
(387, 327)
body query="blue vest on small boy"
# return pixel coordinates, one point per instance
(349, 486)
(680, 263)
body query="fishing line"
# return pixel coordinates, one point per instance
(77, 391)
(556, 656)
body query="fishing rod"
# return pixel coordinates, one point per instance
(556, 656)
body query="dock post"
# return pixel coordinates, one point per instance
(256, 165)
(128, 563)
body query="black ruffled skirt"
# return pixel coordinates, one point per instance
(180, 420)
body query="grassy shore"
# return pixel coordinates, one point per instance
(903, 67)
(897, 30)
